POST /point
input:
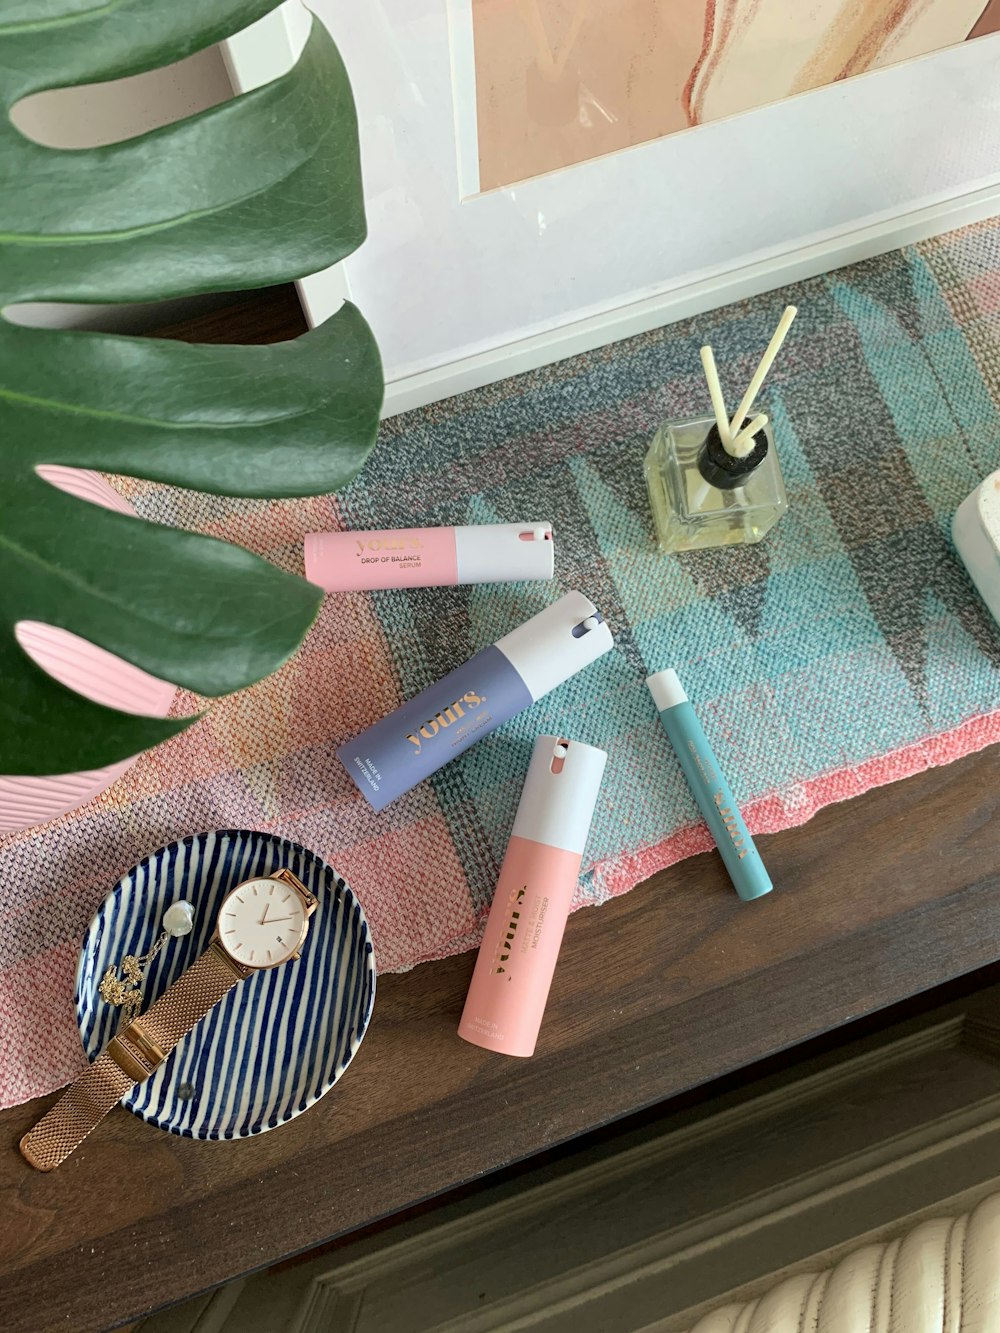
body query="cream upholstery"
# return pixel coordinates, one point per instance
(941, 1277)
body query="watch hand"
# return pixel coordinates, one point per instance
(264, 917)
(275, 919)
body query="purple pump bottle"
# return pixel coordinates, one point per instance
(500, 681)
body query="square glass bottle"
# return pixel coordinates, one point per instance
(700, 497)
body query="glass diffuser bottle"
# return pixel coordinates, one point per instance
(702, 496)
(714, 481)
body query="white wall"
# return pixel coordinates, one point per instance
(104, 113)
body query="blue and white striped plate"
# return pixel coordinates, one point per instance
(280, 1039)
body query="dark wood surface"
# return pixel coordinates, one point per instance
(672, 985)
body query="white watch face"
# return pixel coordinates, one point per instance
(262, 922)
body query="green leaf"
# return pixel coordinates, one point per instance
(262, 189)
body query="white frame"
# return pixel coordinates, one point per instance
(261, 52)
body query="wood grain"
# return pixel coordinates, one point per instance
(660, 991)
(267, 316)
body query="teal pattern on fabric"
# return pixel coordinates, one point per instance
(850, 633)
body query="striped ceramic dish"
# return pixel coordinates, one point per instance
(280, 1039)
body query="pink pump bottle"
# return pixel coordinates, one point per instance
(429, 557)
(517, 958)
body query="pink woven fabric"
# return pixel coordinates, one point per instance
(567, 443)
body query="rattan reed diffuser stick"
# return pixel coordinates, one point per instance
(743, 443)
(760, 374)
(715, 393)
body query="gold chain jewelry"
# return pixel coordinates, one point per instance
(128, 992)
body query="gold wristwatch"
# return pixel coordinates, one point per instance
(263, 923)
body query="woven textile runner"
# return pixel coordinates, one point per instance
(846, 650)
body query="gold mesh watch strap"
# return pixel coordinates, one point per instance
(83, 1105)
(189, 999)
(130, 1057)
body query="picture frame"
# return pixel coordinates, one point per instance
(463, 288)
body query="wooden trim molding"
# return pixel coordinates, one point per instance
(710, 1206)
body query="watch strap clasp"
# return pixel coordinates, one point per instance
(135, 1051)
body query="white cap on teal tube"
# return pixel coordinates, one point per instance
(666, 689)
(708, 786)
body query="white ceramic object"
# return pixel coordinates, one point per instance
(91, 671)
(976, 531)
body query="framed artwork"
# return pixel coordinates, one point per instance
(543, 176)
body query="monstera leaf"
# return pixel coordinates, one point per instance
(262, 189)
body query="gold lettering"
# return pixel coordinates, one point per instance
(446, 717)
(731, 820)
(500, 958)
(451, 714)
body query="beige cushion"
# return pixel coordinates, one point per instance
(941, 1277)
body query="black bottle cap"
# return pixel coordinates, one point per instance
(721, 469)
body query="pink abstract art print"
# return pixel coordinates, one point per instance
(563, 81)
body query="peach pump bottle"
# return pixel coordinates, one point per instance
(517, 958)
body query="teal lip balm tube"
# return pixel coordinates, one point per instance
(710, 788)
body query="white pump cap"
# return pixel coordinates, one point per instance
(556, 644)
(560, 792)
(504, 552)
